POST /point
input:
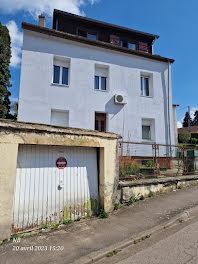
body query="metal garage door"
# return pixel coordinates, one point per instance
(46, 192)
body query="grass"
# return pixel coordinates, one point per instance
(141, 239)
(103, 214)
(5, 240)
(116, 206)
(129, 170)
(151, 194)
(112, 253)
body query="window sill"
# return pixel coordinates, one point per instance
(98, 90)
(148, 141)
(144, 96)
(60, 85)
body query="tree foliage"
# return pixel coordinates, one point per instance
(5, 55)
(184, 137)
(195, 120)
(186, 118)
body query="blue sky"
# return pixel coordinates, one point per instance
(175, 21)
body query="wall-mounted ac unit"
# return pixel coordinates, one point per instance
(120, 99)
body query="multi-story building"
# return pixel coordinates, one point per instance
(89, 74)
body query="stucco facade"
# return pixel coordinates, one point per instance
(38, 96)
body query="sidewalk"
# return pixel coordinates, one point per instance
(87, 236)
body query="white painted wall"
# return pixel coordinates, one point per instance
(38, 96)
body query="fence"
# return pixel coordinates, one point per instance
(139, 160)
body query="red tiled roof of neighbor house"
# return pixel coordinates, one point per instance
(193, 129)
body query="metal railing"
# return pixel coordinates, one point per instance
(144, 160)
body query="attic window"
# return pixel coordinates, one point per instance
(87, 34)
(91, 36)
(132, 46)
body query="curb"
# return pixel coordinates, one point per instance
(100, 254)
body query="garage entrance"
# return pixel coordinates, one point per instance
(54, 183)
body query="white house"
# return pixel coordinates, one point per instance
(89, 74)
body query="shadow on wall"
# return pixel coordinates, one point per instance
(112, 108)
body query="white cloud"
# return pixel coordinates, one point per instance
(179, 124)
(16, 43)
(36, 7)
(14, 99)
(192, 111)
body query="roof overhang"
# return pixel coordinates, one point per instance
(58, 13)
(63, 35)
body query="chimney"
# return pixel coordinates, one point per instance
(41, 20)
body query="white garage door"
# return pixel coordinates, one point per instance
(48, 192)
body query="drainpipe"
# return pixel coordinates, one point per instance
(169, 128)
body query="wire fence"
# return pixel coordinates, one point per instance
(144, 160)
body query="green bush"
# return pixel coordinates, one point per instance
(184, 137)
(149, 164)
(129, 170)
(194, 141)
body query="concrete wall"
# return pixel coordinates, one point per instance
(13, 133)
(38, 96)
(8, 162)
(145, 186)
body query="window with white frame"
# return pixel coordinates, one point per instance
(145, 86)
(101, 75)
(148, 129)
(61, 71)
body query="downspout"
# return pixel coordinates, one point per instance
(169, 128)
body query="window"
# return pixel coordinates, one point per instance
(101, 78)
(92, 36)
(124, 44)
(132, 46)
(59, 118)
(87, 34)
(61, 71)
(56, 74)
(148, 129)
(146, 132)
(144, 86)
(100, 83)
(100, 122)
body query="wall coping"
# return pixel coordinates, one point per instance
(157, 180)
(12, 125)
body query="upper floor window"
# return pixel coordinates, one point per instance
(92, 36)
(145, 86)
(101, 75)
(124, 44)
(61, 71)
(132, 46)
(87, 34)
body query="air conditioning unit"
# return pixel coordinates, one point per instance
(120, 99)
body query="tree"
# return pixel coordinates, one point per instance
(195, 120)
(14, 109)
(184, 137)
(5, 55)
(186, 118)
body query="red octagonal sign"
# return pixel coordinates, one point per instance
(61, 163)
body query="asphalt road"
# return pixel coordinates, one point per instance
(179, 245)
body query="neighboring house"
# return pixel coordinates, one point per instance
(89, 74)
(192, 130)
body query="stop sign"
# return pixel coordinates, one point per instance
(61, 163)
